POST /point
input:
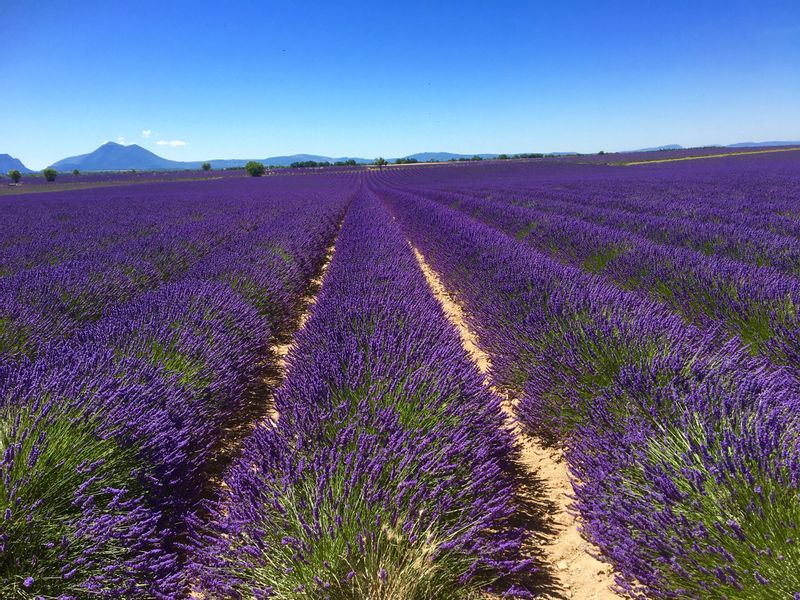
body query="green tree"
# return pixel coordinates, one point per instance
(76, 172)
(380, 162)
(50, 174)
(502, 157)
(255, 169)
(206, 166)
(15, 175)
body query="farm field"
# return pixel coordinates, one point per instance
(556, 378)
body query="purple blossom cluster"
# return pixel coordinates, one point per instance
(124, 365)
(386, 474)
(739, 241)
(756, 303)
(752, 235)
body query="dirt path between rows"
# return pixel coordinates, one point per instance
(281, 350)
(569, 568)
(264, 409)
(266, 412)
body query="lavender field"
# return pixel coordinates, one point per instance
(239, 387)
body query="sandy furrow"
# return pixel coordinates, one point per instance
(265, 410)
(279, 350)
(569, 569)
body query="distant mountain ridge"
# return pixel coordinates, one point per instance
(9, 163)
(117, 157)
(112, 156)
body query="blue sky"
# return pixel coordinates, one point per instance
(254, 79)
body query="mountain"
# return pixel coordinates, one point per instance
(762, 144)
(8, 163)
(116, 157)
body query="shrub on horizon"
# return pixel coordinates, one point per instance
(15, 175)
(206, 166)
(255, 169)
(50, 174)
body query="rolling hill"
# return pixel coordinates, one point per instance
(116, 157)
(8, 162)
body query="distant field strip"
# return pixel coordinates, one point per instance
(663, 160)
(13, 190)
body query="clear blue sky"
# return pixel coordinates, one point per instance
(254, 79)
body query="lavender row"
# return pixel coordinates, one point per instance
(385, 474)
(142, 408)
(759, 192)
(50, 303)
(52, 228)
(684, 454)
(147, 393)
(738, 241)
(49, 229)
(756, 304)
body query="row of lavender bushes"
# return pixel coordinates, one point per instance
(757, 304)
(763, 239)
(386, 474)
(107, 429)
(761, 246)
(72, 258)
(683, 448)
(758, 192)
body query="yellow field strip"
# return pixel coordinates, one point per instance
(663, 160)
